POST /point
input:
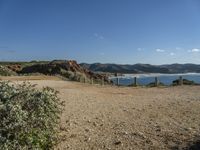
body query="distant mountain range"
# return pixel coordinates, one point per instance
(142, 68)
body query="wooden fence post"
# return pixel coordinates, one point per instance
(117, 81)
(102, 81)
(116, 75)
(180, 80)
(75, 75)
(156, 82)
(135, 81)
(92, 82)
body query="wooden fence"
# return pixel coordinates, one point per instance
(156, 81)
(135, 83)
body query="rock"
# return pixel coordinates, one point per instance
(87, 130)
(70, 124)
(87, 139)
(67, 146)
(118, 142)
(158, 128)
(14, 67)
(139, 134)
(102, 120)
(73, 135)
(66, 68)
(62, 128)
(94, 124)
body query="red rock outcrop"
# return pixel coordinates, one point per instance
(60, 67)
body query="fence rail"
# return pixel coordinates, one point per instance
(155, 81)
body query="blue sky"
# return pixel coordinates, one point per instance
(106, 31)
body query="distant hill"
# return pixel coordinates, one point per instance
(66, 68)
(142, 68)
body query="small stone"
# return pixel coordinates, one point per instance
(67, 121)
(189, 128)
(73, 135)
(88, 139)
(62, 128)
(95, 124)
(118, 143)
(158, 129)
(75, 123)
(67, 146)
(89, 121)
(102, 120)
(87, 130)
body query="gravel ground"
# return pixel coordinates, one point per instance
(109, 118)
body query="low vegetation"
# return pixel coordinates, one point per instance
(4, 71)
(185, 82)
(69, 70)
(153, 84)
(29, 117)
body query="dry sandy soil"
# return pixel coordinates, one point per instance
(110, 118)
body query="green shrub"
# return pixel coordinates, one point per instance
(28, 117)
(153, 84)
(185, 82)
(4, 71)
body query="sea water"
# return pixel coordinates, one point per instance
(144, 79)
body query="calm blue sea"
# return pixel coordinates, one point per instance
(144, 79)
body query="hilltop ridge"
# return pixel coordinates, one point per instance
(68, 69)
(142, 68)
(89, 69)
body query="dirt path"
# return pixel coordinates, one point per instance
(111, 118)
(27, 78)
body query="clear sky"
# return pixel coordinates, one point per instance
(106, 31)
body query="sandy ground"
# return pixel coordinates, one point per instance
(110, 118)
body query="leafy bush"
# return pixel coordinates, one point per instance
(153, 84)
(185, 82)
(29, 117)
(6, 72)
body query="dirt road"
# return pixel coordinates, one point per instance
(110, 118)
